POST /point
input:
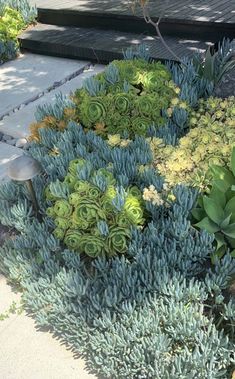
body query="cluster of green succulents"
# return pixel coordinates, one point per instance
(95, 216)
(14, 17)
(127, 98)
(210, 141)
(215, 212)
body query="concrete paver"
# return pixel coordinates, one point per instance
(31, 74)
(7, 154)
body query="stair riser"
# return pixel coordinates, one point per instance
(181, 28)
(45, 48)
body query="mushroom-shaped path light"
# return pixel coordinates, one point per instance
(24, 169)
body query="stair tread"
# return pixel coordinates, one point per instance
(80, 42)
(190, 10)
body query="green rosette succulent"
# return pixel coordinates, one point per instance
(93, 192)
(73, 239)
(82, 187)
(59, 233)
(75, 198)
(122, 220)
(75, 165)
(79, 223)
(122, 102)
(49, 195)
(140, 125)
(70, 180)
(62, 223)
(128, 71)
(51, 212)
(135, 192)
(63, 208)
(93, 110)
(133, 210)
(144, 105)
(88, 210)
(118, 240)
(92, 245)
(110, 180)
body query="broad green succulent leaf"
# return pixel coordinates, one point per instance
(213, 210)
(230, 206)
(208, 225)
(198, 213)
(226, 221)
(229, 230)
(233, 161)
(218, 196)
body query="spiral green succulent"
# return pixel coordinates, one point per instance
(92, 245)
(118, 239)
(73, 239)
(62, 208)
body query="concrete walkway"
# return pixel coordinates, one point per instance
(25, 352)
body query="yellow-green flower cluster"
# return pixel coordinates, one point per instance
(94, 221)
(210, 142)
(116, 140)
(132, 104)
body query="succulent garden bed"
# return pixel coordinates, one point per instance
(15, 16)
(131, 260)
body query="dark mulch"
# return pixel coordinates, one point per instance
(6, 233)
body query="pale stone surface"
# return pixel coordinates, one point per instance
(31, 74)
(7, 154)
(18, 123)
(27, 353)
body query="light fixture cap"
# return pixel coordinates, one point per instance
(24, 168)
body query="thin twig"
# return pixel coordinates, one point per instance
(149, 20)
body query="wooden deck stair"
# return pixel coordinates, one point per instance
(100, 30)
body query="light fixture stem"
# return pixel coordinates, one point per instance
(29, 185)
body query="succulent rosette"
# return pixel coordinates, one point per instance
(59, 233)
(93, 192)
(75, 165)
(62, 223)
(88, 210)
(63, 208)
(49, 195)
(51, 212)
(75, 198)
(70, 180)
(82, 187)
(127, 71)
(133, 210)
(73, 239)
(107, 175)
(140, 125)
(118, 240)
(93, 110)
(122, 220)
(144, 104)
(92, 245)
(122, 102)
(135, 192)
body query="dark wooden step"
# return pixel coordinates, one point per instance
(99, 45)
(179, 20)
